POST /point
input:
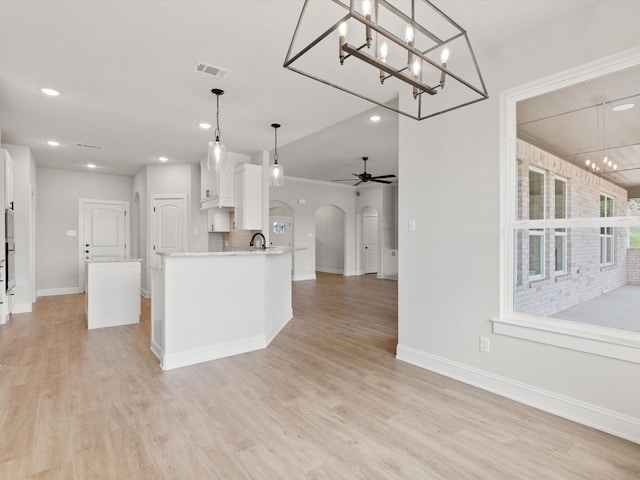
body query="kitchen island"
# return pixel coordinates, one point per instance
(112, 292)
(209, 305)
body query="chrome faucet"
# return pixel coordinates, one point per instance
(264, 240)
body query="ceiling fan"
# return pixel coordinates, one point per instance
(365, 177)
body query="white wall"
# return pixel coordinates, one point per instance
(24, 194)
(449, 267)
(140, 188)
(173, 179)
(57, 255)
(315, 195)
(330, 239)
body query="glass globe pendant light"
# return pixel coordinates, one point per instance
(217, 152)
(276, 172)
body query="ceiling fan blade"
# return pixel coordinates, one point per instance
(357, 183)
(343, 180)
(380, 181)
(384, 176)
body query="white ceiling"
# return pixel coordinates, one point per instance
(125, 70)
(577, 123)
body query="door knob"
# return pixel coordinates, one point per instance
(86, 251)
(86, 244)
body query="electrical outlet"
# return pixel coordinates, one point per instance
(484, 344)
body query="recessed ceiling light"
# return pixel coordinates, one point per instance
(375, 118)
(163, 159)
(53, 143)
(204, 126)
(91, 165)
(623, 107)
(50, 91)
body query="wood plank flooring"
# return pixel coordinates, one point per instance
(326, 400)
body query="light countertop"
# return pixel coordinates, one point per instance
(229, 253)
(114, 260)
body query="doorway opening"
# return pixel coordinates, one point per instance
(281, 227)
(330, 239)
(369, 240)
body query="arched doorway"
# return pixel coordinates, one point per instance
(281, 227)
(330, 239)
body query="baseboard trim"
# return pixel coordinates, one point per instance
(298, 278)
(156, 350)
(331, 270)
(608, 421)
(22, 308)
(274, 333)
(169, 361)
(49, 292)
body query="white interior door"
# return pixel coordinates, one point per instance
(104, 231)
(169, 225)
(281, 232)
(370, 242)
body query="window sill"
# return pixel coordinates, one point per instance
(583, 337)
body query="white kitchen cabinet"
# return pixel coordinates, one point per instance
(216, 187)
(3, 295)
(248, 193)
(8, 179)
(219, 220)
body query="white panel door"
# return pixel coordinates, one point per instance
(104, 231)
(169, 227)
(370, 242)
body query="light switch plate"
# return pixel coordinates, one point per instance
(71, 233)
(412, 224)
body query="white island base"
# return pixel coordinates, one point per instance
(112, 292)
(206, 306)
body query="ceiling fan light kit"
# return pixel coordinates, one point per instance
(388, 49)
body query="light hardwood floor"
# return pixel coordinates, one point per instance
(326, 400)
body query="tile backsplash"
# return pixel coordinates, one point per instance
(233, 240)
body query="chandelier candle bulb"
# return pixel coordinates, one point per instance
(384, 51)
(409, 36)
(444, 58)
(342, 29)
(366, 10)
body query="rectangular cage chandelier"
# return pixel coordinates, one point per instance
(404, 55)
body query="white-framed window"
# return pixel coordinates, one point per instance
(560, 234)
(607, 253)
(537, 207)
(582, 227)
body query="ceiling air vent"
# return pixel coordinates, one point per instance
(87, 145)
(211, 69)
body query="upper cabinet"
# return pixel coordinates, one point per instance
(217, 188)
(248, 204)
(8, 180)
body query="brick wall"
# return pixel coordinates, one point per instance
(633, 266)
(585, 277)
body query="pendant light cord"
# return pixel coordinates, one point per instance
(275, 153)
(217, 132)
